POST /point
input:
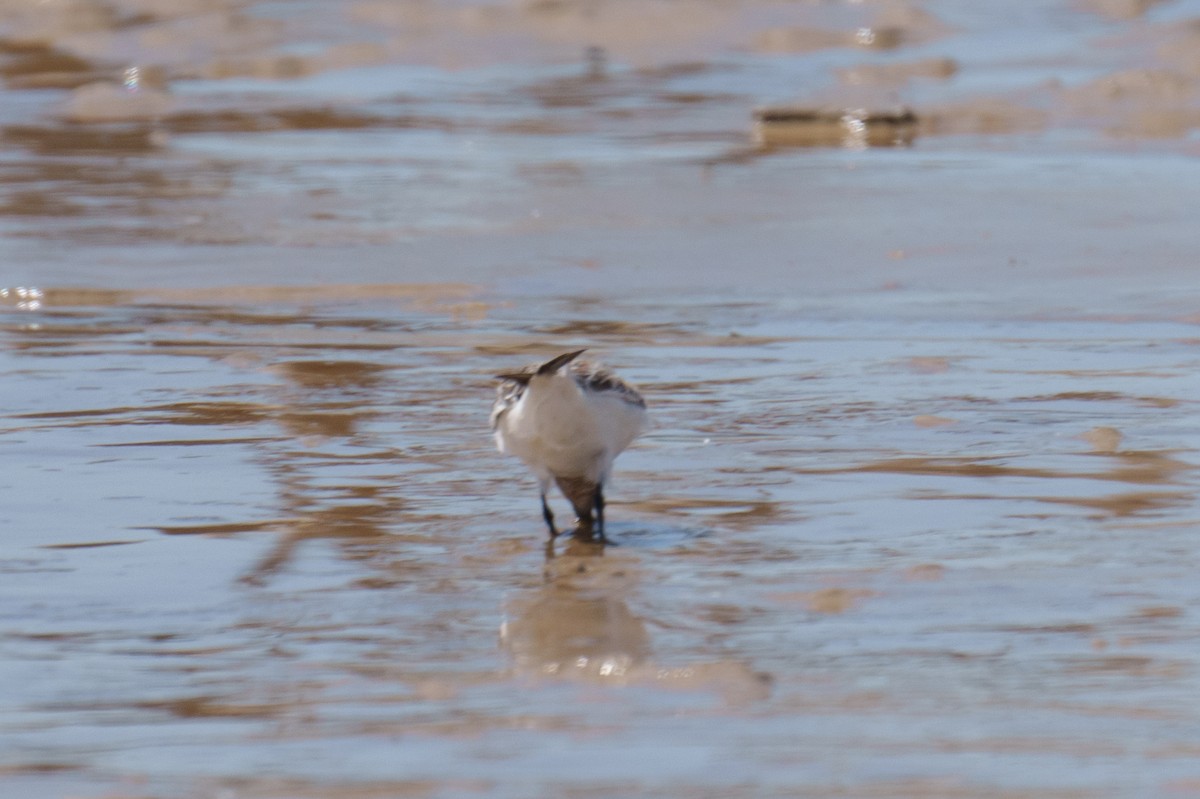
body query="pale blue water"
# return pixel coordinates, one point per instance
(915, 517)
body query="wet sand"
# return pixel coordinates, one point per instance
(916, 515)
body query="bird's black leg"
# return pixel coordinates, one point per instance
(598, 501)
(549, 517)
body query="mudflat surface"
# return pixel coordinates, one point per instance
(917, 514)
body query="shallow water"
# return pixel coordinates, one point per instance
(916, 513)
(268, 551)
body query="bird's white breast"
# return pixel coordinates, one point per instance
(561, 429)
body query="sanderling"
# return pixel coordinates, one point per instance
(567, 420)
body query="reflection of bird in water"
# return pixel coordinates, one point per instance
(560, 632)
(567, 420)
(578, 624)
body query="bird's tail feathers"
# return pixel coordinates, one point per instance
(554, 364)
(548, 368)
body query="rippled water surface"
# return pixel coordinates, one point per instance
(917, 512)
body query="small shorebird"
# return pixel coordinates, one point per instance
(567, 420)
